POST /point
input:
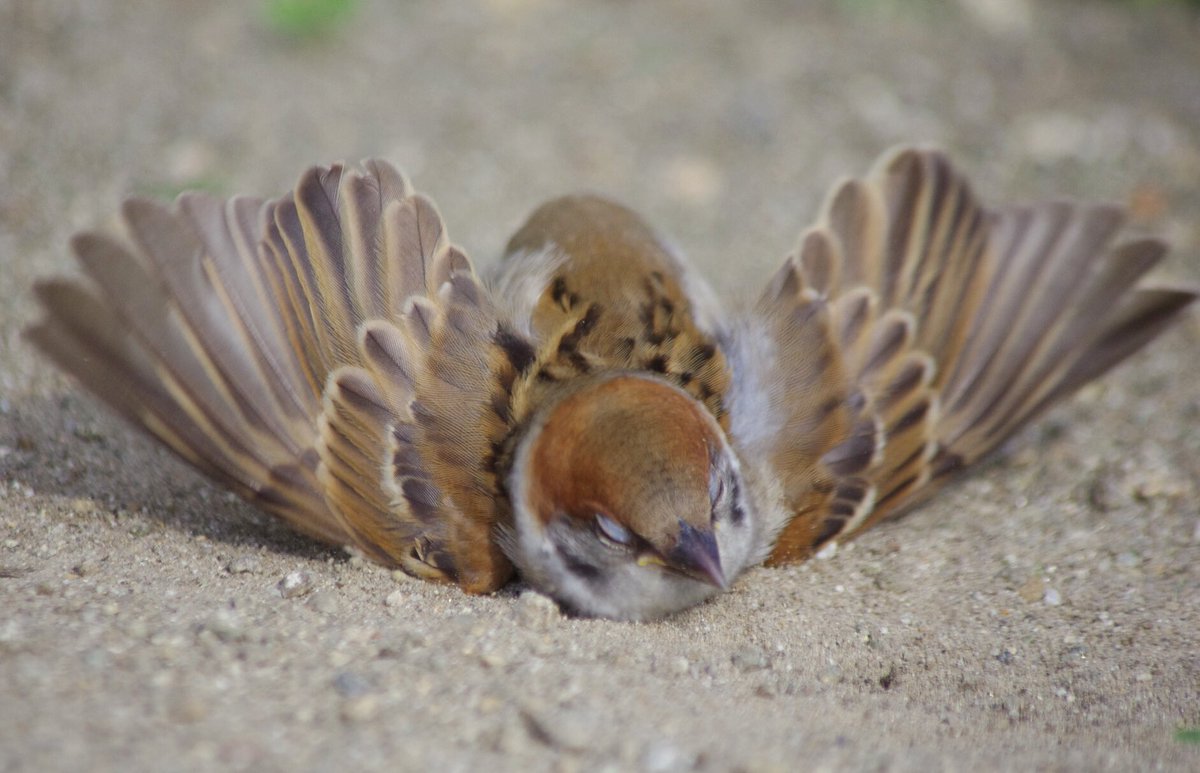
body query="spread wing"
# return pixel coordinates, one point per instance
(912, 331)
(328, 356)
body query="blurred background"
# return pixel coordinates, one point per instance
(722, 122)
(147, 618)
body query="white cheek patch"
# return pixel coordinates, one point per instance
(751, 354)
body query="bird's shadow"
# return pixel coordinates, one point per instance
(70, 447)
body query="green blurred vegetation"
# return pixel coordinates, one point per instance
(307, 18)
(1188, 734)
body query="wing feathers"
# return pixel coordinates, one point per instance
(231, 266)
(331, 356)
(86, 339)
(941, 329)
(328, 355)
(354, 450)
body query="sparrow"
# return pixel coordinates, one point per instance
(589, 415)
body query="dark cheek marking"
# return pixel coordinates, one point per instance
(738, 513)
(581, 569)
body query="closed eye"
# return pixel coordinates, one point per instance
(612, 532)
(716, 489)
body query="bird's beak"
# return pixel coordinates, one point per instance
(696, 555)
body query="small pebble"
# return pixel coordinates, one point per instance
(186, 709)
(1128, 560)
(664, 757)
(493, 660)
(98, 659)
(361, 709)
(227, 625)
(1103, 493)
(11, 636)
(395, 599)
(1034, 589)
(244, 565)
(351, 685)
(137, 629)
(324, 602)
(295, 584)
(537, 610)
(1052, 598)
(749, 658)
(563, 729)
(827, 551)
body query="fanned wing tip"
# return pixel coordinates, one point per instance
(855, 218)
(87, 340)
(383, 349)
(951, 325)
(51, 333)
(316, 194)
(388, 180)
(893, 335)
(820, 261)
(786, 283)
(904, 159)
(280, 346)
(1144, 314)
(156, 232)
(413, 238)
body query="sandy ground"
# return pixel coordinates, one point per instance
(1042, 614)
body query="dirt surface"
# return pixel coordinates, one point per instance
(1043, 614)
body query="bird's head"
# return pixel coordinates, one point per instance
(628, 502)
